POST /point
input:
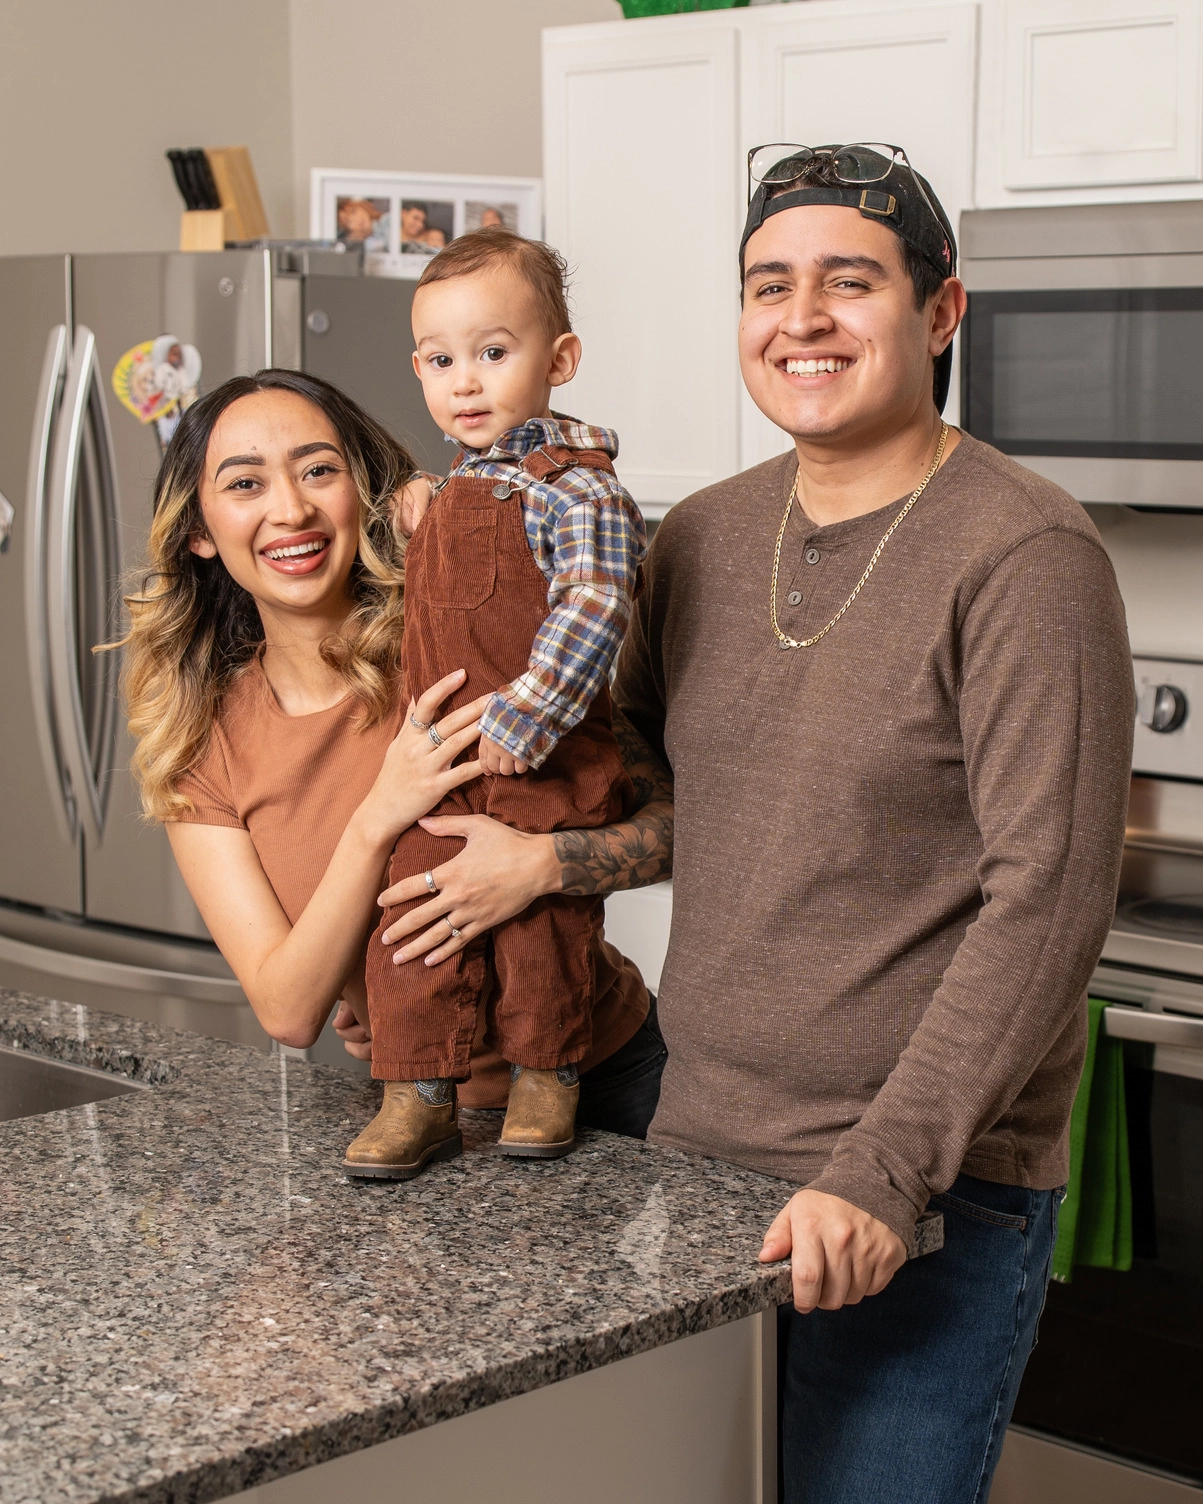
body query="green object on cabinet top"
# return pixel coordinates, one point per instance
(633, 8)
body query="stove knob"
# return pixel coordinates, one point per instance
(1162, 707)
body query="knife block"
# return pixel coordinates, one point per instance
(205, 229)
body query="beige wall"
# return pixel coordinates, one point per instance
(92, 92)
(422, 85)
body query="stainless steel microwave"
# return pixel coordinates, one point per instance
(1082, 351)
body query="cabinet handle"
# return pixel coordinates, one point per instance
(1154, 1028)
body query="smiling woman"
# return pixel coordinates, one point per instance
(278, 744)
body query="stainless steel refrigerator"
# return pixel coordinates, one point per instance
(92, 908)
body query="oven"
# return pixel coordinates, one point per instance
(1083, 358)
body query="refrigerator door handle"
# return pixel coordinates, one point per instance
(83, 377)
(37, 617)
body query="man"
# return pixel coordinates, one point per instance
(891, 676)
(890, 673)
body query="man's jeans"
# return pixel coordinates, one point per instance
(905, 1398)
(620, 1094)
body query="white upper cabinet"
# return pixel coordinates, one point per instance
(641, 172)
(1081, 95)
(836, 71)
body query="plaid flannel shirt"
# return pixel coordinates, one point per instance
(588, 538)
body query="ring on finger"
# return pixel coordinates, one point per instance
(455, 934)
(432, 731)
(430, 882)
(419, 725)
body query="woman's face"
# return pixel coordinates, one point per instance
(280, 506)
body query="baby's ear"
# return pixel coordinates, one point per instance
(565, 357)
(203, 545)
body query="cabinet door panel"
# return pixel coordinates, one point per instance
(1099, 92)
(640, 154)
(834, 72)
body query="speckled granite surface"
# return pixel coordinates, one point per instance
(194, 1300)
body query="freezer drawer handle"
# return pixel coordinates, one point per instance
(83, 416)
(60, 963)
(1154, 1028)
(37, 625)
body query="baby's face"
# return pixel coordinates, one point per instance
(485, 359)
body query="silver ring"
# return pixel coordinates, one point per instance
(419, 725)
(432, 731)
(430, 882)
(454, 932)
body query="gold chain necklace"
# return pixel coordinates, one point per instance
(809, 642)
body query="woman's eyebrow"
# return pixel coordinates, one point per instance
(239, 459)
(302, 450)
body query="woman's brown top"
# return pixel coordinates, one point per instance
(293, 783)
(896, 851)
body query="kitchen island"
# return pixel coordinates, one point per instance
(196, 1303)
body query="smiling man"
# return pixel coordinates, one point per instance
(891, 675)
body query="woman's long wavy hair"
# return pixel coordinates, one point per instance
(193, 630)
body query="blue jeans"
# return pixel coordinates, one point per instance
(905, 1398)
(621, 1092)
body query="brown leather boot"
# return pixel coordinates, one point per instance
(540, 1120)
(412, 1129)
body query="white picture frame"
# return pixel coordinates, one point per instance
(382, 210)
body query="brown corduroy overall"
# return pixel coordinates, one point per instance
(475, 599)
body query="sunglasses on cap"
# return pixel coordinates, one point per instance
(783, 163)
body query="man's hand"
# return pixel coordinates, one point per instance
(839, 1253)
(495, 759)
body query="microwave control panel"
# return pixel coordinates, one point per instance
(1169, 718)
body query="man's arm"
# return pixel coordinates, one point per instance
(1046, 716)
(501, 871)
(635, 853)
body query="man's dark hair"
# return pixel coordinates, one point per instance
(926, 280)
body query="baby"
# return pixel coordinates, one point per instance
(522, 573)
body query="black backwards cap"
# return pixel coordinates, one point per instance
(896, 200)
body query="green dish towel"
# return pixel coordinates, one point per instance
(1096, 1216)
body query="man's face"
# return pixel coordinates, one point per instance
(413, 222)
(830, 341)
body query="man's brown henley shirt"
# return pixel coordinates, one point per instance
(896, 851)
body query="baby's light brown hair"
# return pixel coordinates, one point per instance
(543, 269)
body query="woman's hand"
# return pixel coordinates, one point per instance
(417, 774)
(412, 501)
(499, 872)
(357, 1041)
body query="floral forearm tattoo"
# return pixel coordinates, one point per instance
(635, 853)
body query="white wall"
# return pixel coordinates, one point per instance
(422, 85)
(92, 92)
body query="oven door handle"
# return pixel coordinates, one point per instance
(1154, 1028)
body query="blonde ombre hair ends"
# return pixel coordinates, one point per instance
(193, 630)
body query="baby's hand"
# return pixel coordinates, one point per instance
(411, 502)
(495, 759)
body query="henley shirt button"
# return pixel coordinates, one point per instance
(502, 491)
(794, 597)
(812, 555)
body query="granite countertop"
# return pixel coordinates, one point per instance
(195, 1300)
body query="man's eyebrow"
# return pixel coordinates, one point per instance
(836, 263)
(768, 269)
(239, 459)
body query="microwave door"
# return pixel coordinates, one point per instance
(39, 847)
(157, 320)
(1099, 389)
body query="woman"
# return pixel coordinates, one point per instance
(274, 743)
